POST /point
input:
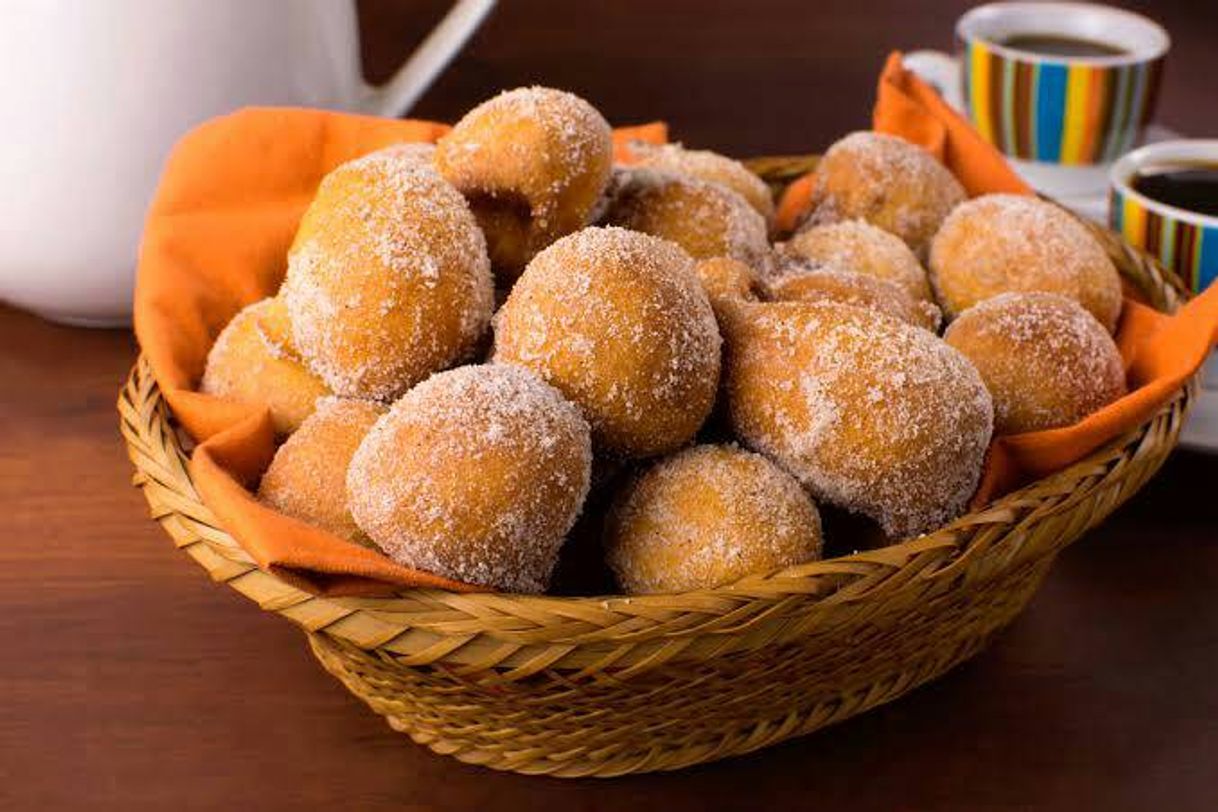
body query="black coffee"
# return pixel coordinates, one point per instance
(1189, 186)
(1058, 45)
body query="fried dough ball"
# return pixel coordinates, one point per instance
(421, 151)
(619, 323)
(1009, 243)
(708, 516)
(870, 414)
(859, 247)
(828, 284)
(388, 279)
(255, 360)
(476, 474)
(706, 219)
(888, 182)
(727, 280)
(532, 162)
(307, 479)
(1046, 361)
(712, 167)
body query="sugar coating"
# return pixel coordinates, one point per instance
(706, 219)
(619, 176)
(798, 280)
(887, 181)
(388, 279)
(570, 139)
(254, 360)
(477, 474)
(618, 322)
(533, 161)
(707, 516)
(307, 477)
(1046, 361)
(858, 246)
(727, 280)
(422, 151)
(1005, 243)
(711, 167)
(869, 413)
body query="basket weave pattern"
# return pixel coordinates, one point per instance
(607, 686)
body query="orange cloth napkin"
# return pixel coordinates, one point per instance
(1160, 352)
(216, 239)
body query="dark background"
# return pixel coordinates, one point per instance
(749, 77)
(129, 682)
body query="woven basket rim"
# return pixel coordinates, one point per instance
(1163, 287)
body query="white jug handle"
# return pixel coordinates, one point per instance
(942, 71)
(399, 94)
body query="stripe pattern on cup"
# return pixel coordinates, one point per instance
(1058, 111)
(1190, 249)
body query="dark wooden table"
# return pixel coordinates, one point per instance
(128, 681)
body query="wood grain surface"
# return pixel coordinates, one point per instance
(130, 682)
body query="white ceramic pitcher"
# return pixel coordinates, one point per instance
(96, 93)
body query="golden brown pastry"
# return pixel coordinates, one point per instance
(708, 516)
(803, 283)
(388, 279)
(888, 182)
(307, 479)
(727, 280)
(1046, 361)
(532, 162)
(870, 414)
(713, 168)
(476, 474)
(859, 247)
(618, 322)
(706, 219)
(1009, 243)
(255, 360)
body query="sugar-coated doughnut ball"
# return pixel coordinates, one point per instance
(708, 516)
(307, 479)
(254, 359)
(476, 474)
(388, 279)
(859, 247)
(712, 167)
(870, 414)
(706, 219)
(532, 162)
(888, 182)
(619, 323)
(1046, 361)
(727, 280)
(1007, 243)
(422, 151)
(802, 283)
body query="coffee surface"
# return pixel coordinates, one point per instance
(1060, 45)
(1189, 186)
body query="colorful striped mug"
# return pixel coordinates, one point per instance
(1185, 241)
(1055, 109)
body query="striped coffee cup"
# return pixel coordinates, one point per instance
(1055, 83)
(1185, 241)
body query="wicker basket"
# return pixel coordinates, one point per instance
(608, 686)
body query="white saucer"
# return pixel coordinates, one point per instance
(1201, 431)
